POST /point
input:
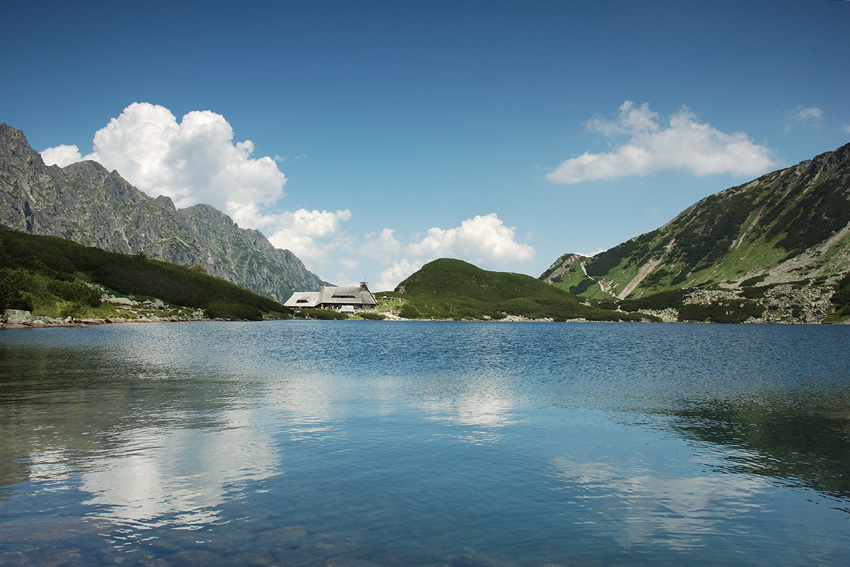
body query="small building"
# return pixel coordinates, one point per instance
(346, 299)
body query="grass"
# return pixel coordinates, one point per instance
(49, 276)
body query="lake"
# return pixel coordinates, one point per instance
(354, 444)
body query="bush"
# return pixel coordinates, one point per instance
(582, 286)
(658, 301)
(326, 315)
(16, 289)
(726, 311)
(408, 311)
(233, 310)
(76, 292)
(369, 316)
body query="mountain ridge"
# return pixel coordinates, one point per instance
(87, 204)
(788, 230)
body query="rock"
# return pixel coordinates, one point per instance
(17, 317)
(286, 534)
(123, 301)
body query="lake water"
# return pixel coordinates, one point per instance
(353, 444)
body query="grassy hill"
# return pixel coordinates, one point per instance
(453, 289)
(51, 276)
(786, 233)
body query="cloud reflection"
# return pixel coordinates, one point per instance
(179, 475)
(642, 506)
(479, 415)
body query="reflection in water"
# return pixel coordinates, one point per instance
(308, 403)
(643, 505)
(479, 417)
(316, 443)
(178, 476)
(802, 441)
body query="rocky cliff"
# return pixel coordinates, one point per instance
(787, 233)
(87, 204)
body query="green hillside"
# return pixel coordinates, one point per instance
(453, 289)
(51, 276)
(787, 232)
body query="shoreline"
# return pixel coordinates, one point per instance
(39, 322)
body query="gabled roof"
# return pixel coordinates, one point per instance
(303, 299)
(333, 296)
(351, 295)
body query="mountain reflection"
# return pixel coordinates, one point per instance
(801, 440)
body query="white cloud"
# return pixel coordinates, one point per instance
(846, 128)
(684, 143)
(61, 155)
(312, 235)
(804, 116)
(808, 114)
(483, 240)
(384, 244)
(480, 240)
(395, 274)
(194, 161)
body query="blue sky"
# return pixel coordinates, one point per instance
(371, 137)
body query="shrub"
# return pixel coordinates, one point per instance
(76, 292)
(326, 315)
(661, 300)
(408, 311)
(233, 310)
(582, 286)
(369, 316)
(726, 311)
(16, 288)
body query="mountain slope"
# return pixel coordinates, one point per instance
(87, 204)
(454, 289)
(787, 228)
(36, 270)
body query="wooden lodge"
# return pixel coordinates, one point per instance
(346, 299)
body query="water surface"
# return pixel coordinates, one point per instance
(425, 443)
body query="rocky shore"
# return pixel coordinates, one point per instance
(16, 319)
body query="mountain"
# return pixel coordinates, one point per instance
(784, 237)
(85, 203)
(454, 289)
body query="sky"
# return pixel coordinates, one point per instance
(371, 137)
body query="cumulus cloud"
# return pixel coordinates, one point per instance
(196, 160)
(483, 240)
(846, 128)
(683, 143)
(312, 235)
(395, 274)
(61, 155)
(193, 161)
(382, 245)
